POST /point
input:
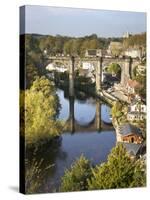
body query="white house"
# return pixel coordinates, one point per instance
(138, 106)
(135, 116)
(88, 66)
(136, 111)
(61, 68)
(133, 53)
(50, 67)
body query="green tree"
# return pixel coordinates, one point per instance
(114, 68)
(71, 47)
(135, 40)
(117, 111)
(120, 171)
(135, 71)
(142, 89)
(41, 84)
(39, 106)
(76, 178)
(116, 49)
(31, 75)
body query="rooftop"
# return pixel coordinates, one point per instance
(127, 129)
(133, 149)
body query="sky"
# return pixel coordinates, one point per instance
(80, 22)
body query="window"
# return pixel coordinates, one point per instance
(132, 140)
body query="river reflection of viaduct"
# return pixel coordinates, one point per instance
(126, 65)
(96, 124)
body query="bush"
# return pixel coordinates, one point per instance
(76, 178)
(120, 171)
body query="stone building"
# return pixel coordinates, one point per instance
(129, 133)
(133, 53)
(136, 111)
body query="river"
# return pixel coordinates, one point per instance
(52, 160)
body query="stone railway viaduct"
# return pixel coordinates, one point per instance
(72, 63)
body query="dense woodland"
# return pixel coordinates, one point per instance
(73, 45)
(68, 45)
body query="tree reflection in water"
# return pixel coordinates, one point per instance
(41, 164)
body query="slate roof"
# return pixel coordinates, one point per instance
(136, 102)
(132, 149)
(127, 129)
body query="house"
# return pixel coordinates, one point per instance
(50, 67)
(136, 111)
(132, 85)
(137, 106)
(88, 66)
(94, 52)
(134, 52)
(129, 133)
(135, 116)
(54, 67)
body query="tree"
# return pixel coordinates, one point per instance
(135, 40)
(116, 48)
(39, 108)
(114, 68)
(76, 178)
(71, 47)
(31, 75)
(135, 71)
(116, 110)
(120, 171)
(142, 89)
(47, 88)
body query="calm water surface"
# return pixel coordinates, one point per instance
(92, 144)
